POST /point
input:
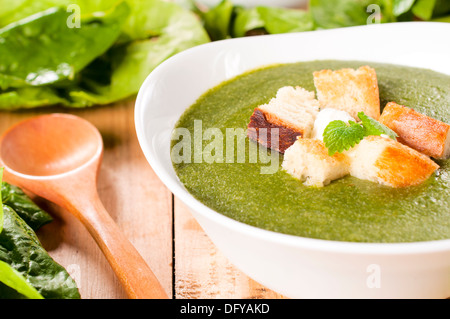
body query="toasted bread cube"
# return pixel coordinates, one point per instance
(388, 162)
(420, 132)
(308, 160)
(349, 90)
(292, 111)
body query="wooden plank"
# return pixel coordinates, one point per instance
(201, 271)
(131, 192)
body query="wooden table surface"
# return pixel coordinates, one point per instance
(162, 229)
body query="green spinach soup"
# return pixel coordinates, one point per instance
(349, 209)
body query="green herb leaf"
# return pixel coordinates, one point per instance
(424, 9)
(339, 136)
(218, 20)
(402, 6)
(13, 279)
(330, 14)
(373, 127)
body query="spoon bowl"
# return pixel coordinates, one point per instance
(57, 157)
(26, 149)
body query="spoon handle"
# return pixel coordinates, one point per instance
(131, 269)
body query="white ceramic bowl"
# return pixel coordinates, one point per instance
(294, 266)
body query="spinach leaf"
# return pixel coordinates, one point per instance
(217, 21)
(329, 14)
(15, 284)
(441, 8)
(16, 10)
(272, 20)
(15, 198)
(20, 249)
(153, 31)
(280, 20)
(30, 97)
(11, 281)
(59, 51)
(172, 30)
(247, 20)
(402, 6)
(424, 9)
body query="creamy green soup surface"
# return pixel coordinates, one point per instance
(348, 209)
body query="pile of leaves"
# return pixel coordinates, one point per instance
(82, 53)
(26, 269)
(229, 21)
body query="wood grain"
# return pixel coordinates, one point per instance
(202, 272)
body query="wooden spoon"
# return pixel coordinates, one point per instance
(57, 157)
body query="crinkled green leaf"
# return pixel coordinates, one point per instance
(30, 97)
(339, 136)
(402, 6)
(129, 64)
(59, 51)
(20, 248)
(282, 20)
(272, 20)
(373, 127)
(247, 20)
(329, 14)
(217, 20)
(32, 214)
(14, 280)
(424, 9)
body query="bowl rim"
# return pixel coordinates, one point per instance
(362, 248)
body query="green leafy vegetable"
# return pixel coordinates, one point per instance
(424, 9)
(272, 20)
(339, 136)
(32, 214)
(14, 280)
(402, 6)
(9, 277)
(329, 14)
(26, 269)
(127, 65)
(59, 52)
(247, 20)
(373, 127)
(105, 60)
(20, 248)
(217, 21)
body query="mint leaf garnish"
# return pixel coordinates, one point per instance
(373, 127)
(339, 136)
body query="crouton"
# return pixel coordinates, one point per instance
(349, 90)
(388, 162)
(308, 160)
(420, 132)
(292, 111)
